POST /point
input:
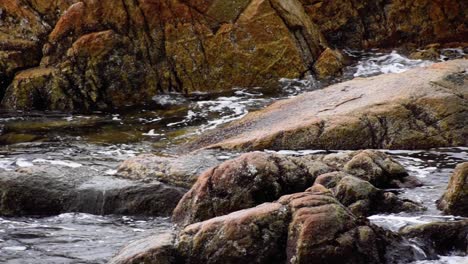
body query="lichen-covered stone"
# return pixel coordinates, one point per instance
(109, 54)
(258, 177)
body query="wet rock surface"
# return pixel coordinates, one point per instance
(178, 170)
(442, 238)
(49, 190)
(455, 199)
(147, 250)
(420, 108)
(258, 177)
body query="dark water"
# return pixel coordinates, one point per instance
(101, 141)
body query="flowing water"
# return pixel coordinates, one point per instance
(102, 140)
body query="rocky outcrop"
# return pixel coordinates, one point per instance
(365, 24)
(259, 177)
(443, 238)
(455, 199)
(50, 190)
(107, 54)
(420, 108)
(306, 227)
(100, 55)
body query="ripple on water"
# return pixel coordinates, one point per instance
(72, 238)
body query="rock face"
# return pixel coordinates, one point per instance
(99, 55)
(107, 54)
(421, 108)
(455, 199)
(48, 190)
(364, 24)
(25, 25)
(259, 177)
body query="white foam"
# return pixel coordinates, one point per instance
(23, 163)
(17, 248)
(388, 63)
(152, 133)
(445, 260)
(64, 163)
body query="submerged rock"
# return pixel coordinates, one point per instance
(181, 170)
(158, 247)
(421, 108)
(455, 199)
(50, 190)
(259, 177)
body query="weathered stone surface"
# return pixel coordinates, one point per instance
(158, 247)
(23, 29)
(50, 190)
(455, 199)
(421, 108)
(259, 177)
(442, 238)
(180, 170)
(365, 24)
(363, 199)
(308, 227)
(109, 54)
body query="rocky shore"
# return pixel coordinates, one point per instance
(235, 191)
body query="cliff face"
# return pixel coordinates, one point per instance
(388, 23)
(95, 55)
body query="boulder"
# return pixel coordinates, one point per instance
(307, 227)
(443, 238)
(420, 108)
(51, 190)
(455, 199)
(258, 177)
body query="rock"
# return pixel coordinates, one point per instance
(244, 182)
(366, 24)
(443, 238)
(455, 199)
(25, 26)
(258, 177)
(51, 190)
(308, 227)
(107, 55)
(180, 170)
(417, 109)
(363, 199)
(160, 247)
(329, 63)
